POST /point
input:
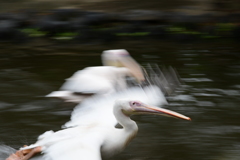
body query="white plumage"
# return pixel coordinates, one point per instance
(99, 108)
(91, 131)
(100, 80)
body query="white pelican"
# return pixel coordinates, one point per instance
(103, 80)
(91, 139)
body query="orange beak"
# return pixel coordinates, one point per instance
(145, 109)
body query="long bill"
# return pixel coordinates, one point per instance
(121, 58)
(145, 109)
(134, 67)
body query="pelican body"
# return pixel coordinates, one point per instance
(101, 80)
(92, 141)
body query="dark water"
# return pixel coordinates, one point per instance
(210, 96)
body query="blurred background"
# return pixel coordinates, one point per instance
(110, 21)
(43, 42)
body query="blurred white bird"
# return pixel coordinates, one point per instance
(93, 135)
(101, 80)
(100, 108)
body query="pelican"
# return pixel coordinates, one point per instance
(101, 80)
(94, 135)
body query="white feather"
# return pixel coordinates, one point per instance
(99, 109)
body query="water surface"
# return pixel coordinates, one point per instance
(209, 95)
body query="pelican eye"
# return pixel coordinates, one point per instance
(135, 104)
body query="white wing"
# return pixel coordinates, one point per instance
(90, 80)
(102, 80)
(100, 109)
(73, 143)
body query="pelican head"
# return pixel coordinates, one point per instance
(137, 107)
(121, 58)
